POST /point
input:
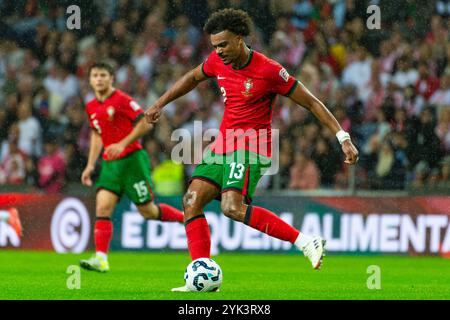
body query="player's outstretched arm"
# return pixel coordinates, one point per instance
(305, 98)
(94, 152)
(185, 84)
(115, 149)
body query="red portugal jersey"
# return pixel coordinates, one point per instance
(249, 95)
(113, 119)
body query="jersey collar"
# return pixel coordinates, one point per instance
(250, 56)
(112, 93)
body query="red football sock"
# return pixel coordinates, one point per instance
(198, 237)
(102, 234)
(169, 213)
(268, 222)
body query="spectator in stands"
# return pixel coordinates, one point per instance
(441, 97)
(51, 167)
(14, 163)
(421, 172)
(13, 168)
(383, 127)
(400, 121)
(411, 101)
(445, 173)
(442, 129)
(302, 13)
(423, 143)
(341, 115)
(76, 118)
(358, 73)
(13, 135)
(286, 161)
(142, 61)
(74, 160)
(30, 139)
(61, 86)
(168, 177)
(384, 80)
(443, 8)
(391, 167)
(42, 104)
(377, 93)
(433, 178)
(11, 106)
(3, 124)
(304, 174)
(427, 83)
(404, 74)
(327, 161)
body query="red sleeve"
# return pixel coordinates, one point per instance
(131, 109)
(208, 67)
(282, 82)
(89, 117)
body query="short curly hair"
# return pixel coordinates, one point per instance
(234, 20)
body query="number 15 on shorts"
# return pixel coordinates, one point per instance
(141, 190)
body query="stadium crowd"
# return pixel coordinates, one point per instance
(389, 87)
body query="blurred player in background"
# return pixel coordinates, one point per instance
(11, 216)
(117, 123)
(249, 83)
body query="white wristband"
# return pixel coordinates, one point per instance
(341, 135)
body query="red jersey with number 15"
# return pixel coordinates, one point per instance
(249, 95)
(114, 118)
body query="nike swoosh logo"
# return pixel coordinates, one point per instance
(231, 182)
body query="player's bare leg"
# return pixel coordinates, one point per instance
(198, 234)
(162, 212)
(197, 196)
(261, 219)
(105, 204)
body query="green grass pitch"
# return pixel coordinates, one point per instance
(150, 276)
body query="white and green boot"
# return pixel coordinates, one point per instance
(96, 263)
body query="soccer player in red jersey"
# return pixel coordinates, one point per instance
(11, 216)
(249, 82)
(117, 123)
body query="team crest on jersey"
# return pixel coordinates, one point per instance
(248, 85)
(110, 111)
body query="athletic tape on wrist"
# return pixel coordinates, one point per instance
(341, 135)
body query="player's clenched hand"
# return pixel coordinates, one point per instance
(86, 176)
(351, 154)
(152, 114)
(114, 150)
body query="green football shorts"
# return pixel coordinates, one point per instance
(129, 175)
(240, 171)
